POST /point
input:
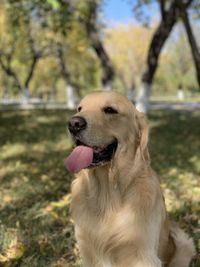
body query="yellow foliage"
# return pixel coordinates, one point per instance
(127, 47)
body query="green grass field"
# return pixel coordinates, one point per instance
(35, 226)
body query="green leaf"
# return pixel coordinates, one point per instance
(54, 3)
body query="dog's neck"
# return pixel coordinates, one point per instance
(108, 183)
(101, 179)
(103, 189)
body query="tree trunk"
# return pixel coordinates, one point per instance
(24, 95)
(31, 71)
(142, 102)
(107, 69)
(10, 72)
(72, 90)
(97, 45)
(5, 93)
(193, 44)
(53, 93)
(160, 36)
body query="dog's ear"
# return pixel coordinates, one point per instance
(143, 135)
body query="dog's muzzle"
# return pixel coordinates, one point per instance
(84, 155)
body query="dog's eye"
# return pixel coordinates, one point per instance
(79, 109)
(110, 110)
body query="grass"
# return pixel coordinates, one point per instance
(35, 226)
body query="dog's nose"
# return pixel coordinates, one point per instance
(76, 124)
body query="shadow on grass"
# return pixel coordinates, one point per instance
(175, 141)
(32, 126)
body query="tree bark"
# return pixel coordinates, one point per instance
(193, 44)
(168, 20)
(160, 36)
(96, 43)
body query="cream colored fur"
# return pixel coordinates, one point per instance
(118, 208)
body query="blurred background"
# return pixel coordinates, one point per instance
(52, 53)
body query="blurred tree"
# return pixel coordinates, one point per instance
(76, 50)
(170, 13)
(176, 65)
(90, 19)
(72, 88)
(46, 79)
(86, 14)
(16, 36)
(69, 43)
(127, 47)
(71, 32)
(47, 28)
(55, 18)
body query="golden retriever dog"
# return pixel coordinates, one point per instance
(117, 203)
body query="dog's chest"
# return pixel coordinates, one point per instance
(102, 222)
(103, 234)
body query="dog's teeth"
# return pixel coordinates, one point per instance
(97, 149)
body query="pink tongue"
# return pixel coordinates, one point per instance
(80, 158)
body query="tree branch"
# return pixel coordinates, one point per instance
(61, 61)
(65, 73)
(36, 55)
(31, 71)
(93, 35)
(9, 71)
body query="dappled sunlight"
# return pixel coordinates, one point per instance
(185, 185)
(181, 188)
(12, 150)
(35, 186)
(46, 120)
(54, 208)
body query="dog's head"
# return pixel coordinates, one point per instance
(106, 124)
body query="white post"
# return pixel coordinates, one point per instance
(107, 87)
(180, 94)
(24, 96)
(72, 99)
(142, 102)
